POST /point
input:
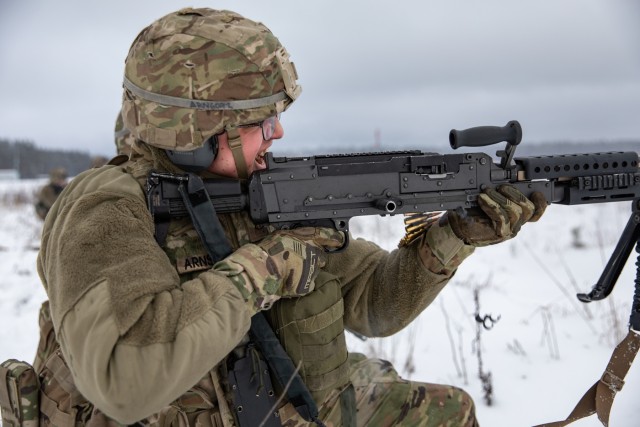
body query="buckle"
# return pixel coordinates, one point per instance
(612, 381)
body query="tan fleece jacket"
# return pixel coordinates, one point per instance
(136, 339)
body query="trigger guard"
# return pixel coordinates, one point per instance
(341, 248)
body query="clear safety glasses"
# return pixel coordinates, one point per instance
(268, 126)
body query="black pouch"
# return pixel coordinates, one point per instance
(254, 400)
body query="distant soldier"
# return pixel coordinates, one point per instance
(123, 137)
(98, 161)
(50, 192)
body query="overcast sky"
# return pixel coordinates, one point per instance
(413, 70)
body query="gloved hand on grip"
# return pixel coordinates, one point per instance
(283, 264)
(502, 213)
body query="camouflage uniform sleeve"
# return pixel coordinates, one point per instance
(134, 337)
(385, 291)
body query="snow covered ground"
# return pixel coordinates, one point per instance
(543, 353)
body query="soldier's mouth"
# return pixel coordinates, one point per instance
(260, 160)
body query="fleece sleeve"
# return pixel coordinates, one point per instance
(134, 337)
(384, 291)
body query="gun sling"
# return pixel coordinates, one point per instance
(599, 398)
(206, 223)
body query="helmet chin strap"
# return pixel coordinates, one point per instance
(235, 144)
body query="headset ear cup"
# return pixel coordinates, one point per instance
(196, 160)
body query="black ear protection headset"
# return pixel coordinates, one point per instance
(195, 160)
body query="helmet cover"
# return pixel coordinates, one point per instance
(195, 73)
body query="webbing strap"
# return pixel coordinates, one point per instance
(235, 145)
(204, 218)
(197, 104)
(599, 398)
(62, 375)
(55, 415)
(318, 382)
(205, 221)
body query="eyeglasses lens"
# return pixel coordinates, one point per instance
(269, 128)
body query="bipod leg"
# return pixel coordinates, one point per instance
(618, 259)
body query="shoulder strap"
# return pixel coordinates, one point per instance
(599, 398)
(204, 217)
(206, 222)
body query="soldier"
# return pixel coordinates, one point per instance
(50, 192)
(151, 329)
(98, 161)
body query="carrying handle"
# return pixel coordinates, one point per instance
(486, 135)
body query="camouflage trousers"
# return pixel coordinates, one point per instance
(383, 399)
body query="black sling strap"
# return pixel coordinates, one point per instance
(204, 218)
(206, 223)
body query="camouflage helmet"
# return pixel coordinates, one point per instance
(195, 73)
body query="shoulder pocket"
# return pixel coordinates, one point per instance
(19, 388)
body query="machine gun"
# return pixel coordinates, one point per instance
(329, 190)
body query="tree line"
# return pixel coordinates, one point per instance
(33, 162)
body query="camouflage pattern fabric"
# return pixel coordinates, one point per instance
(18, 394)
(47, 344)
(383, 399)
(503, 211)
(442, 251)
(208, 57)
(284, 264)
(123, 137)
(63, 405)
(185, 249)
(194, 408)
